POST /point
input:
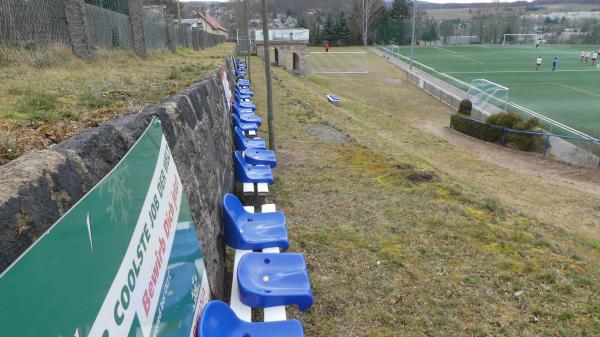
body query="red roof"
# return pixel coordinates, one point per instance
(212, 21)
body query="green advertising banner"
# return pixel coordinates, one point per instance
(124, 261)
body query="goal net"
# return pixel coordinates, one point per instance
(338, 62)
(530, 39)
(488, 95)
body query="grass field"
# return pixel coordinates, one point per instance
(47, 95)
(569, 95)
(406, 234)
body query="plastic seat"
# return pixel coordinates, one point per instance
(242, 125)
(271, 279)
(240, 73)
(246, 173)
(260, 157)
(243, 91)
(246, 104)
(243, 143)
(218, 320)
(250, 231)
(247, 117)
(243, 81)
(242, 97)
(241, 109)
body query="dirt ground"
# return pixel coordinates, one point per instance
(410, 229)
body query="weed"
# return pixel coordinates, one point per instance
(93, 100)
(175, 74)
(39, 105)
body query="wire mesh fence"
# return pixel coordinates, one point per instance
(109, 29)
(30, 23)
(155, 28)
(33, 23)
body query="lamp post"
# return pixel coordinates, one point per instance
(265, 27)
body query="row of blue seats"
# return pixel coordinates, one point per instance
(264, 279)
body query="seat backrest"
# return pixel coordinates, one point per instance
(240, 166)
(232, 207)
(217, 320)
(239, 133)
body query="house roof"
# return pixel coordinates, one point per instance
(212, 21)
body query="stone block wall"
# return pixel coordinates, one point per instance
(40, 186)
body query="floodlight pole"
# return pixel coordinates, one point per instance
(265, 26)
(412, 40)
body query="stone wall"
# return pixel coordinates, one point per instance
(40, 186)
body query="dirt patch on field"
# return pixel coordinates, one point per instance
(583, 179)
(326, 133)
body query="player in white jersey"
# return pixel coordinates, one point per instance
(582, 56)
(538, 63)
(594, 57)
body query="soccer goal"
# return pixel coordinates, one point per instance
(530, 39)
(487, 95)
(338, 63)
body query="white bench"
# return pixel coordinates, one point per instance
(243, 311)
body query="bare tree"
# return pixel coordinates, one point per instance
(367, 12)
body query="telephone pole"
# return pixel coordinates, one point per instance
(265, 26)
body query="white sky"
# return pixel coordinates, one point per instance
(467, 1)
(436, 1)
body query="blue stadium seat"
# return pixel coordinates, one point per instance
(243, 125)
(239, 73)
(245, 104)
(271, 279)
(243, 143)
(218, 320)
(243, 82)
(260, 157)
(246, 173)
(242, 97)
(250, 231)
(243, 91)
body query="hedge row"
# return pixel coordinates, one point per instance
(491, 132)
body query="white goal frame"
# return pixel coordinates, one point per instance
(477, 89)
(536, 37)
(363, 53)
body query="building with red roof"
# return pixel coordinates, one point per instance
(210, 24)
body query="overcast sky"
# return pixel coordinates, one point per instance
(436, 1)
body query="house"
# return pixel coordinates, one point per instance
(210, 24)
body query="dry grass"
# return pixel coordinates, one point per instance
(406, 235)
(49, 94)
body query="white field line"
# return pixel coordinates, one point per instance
(447, 50)
(523, 71)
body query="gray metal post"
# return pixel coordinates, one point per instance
(265, 26)
(136, 15)
(412, 40)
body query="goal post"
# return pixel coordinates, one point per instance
(485, 94)
(520, 38)
(338, 62)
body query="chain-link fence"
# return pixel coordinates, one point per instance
(33, 23)
(109, 29)
(29, 23)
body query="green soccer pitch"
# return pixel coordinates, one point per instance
(570, 95)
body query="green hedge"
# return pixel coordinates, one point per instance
(493, 130)
(475, 129)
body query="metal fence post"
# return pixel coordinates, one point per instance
(171, 34)
(78, 27)
(546, 143)
(504, 136)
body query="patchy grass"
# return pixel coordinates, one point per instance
(47, 94)
(404, 237)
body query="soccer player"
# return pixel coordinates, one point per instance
(538, 63)
(594, 57)
(587, 56)
(554, 63)
(582, 56)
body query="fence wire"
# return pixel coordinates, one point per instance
(28, 23)
(109, 29)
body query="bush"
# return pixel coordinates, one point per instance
(493, 130)
(465, 107)
(476, 129)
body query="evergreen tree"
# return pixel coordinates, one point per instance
(301, 23)
(342, 30)
(328, 32)
(400, 10)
